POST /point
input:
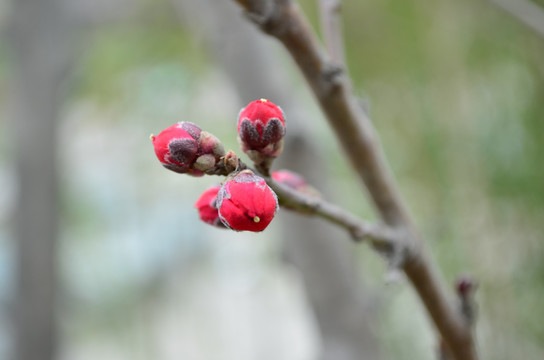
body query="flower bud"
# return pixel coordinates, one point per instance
(231, 161)
(206, 205)
(186, 149)
(465, 286)
(261, 127)
(245, 202)
(295, 181)
(290, 179)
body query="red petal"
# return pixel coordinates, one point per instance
(263, 110)
(206, 206)
(248, 206)
(161, 142)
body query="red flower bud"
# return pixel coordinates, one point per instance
(261, 127)
(465, 286)
(290, 179)
(206, 205)
(186, 149)
(245, 202)
(295, 181)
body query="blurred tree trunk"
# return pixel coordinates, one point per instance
(39, 34)
(345, 312)
(327, 266)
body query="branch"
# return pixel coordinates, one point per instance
(525, 11)
(283, 20)
(332, 29)
(381, 237)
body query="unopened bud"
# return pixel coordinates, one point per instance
(176, 148)
(261, 128)
(186, 149)
(295, 181)
(207, 207)
(246, 203)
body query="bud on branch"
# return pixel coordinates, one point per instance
(261, 128)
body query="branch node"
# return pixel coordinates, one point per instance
(396, 259)
(465, 287)
(332, 74)
(358, 233)
(268, 17)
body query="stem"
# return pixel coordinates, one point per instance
(381, 236)
(332, 29)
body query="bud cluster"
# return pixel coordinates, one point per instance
(243, 202)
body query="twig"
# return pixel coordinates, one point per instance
(525, 11)
(332, 30)
(283, 20)
(381, 236)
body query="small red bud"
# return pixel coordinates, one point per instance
(176, 148)
(186, 149)
(245, 202)
(465, 286)
(261, 127)
(295, 181)
(290, 179)
(206, 205)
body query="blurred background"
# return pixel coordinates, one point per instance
(102, 255)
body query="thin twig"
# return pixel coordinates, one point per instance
(381, 236)
(331, 26)
(525, 11)
(283, 20)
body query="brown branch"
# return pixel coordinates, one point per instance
(381, 236)
(283, 20)
(332, 29)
